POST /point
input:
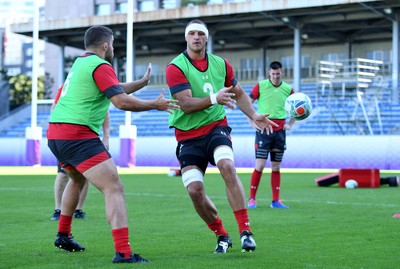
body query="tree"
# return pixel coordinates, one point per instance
(21, 89)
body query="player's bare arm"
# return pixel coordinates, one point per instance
(130, 87)
(190, 104)
(289, 125)
(106, 131)
(244, 102)
(132, 103)
(251, 122)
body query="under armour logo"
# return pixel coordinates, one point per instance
(205, 77)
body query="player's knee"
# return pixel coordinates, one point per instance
(223, 153)
(275, 166)
(192, 175)
(120, 187)
(111, 188)
(226, 168)
(196, 192)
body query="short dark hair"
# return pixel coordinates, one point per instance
(97, 35)
(275, 65)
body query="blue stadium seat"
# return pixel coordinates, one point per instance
(321, 122)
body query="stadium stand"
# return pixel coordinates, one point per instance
(330, 116)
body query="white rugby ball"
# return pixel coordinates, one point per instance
(351, 184)
(298, 106)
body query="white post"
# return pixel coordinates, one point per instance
(33, 134)
(35, 65)
(395, 60)
(297, 59)
(127, 132)
(129, 53)
(360, 101)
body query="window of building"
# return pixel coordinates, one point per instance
(28, 4)
(146, 5)
(381, 55)
(13, 71)
(333, 57)
(28, 64)
(215, 2)
(142, 68)
(170, 4)
(29, 52)
(287, 61)
(103, 9)
(305, 60)
(121, 7)
(250, 63)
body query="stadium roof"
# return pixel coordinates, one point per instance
(237, 26)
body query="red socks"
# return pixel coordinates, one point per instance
(275, 185)
(242, 219)
(64, 224)
(217, 227)
(121, 235)
(254, 182)
(121, 241)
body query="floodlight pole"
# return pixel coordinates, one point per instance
(395, 56)
(128, 132)
(35, 67)
(33, 134)
(297, 58)
(129, 53)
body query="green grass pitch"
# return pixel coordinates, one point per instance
(325, 227)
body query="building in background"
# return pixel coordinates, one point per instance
(254, 31)
(16, 56)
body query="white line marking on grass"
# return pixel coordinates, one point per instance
(162, 195)
(262, 199)
(341, 203)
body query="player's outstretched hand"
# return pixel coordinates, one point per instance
(287, 127)
(224, 97)
(264, 123)
(147, 75)
(106, 143)
(163, 104)
(254, 125)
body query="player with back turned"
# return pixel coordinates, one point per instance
(73, 137)
(62, 178)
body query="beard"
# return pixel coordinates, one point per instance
(109, 56)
